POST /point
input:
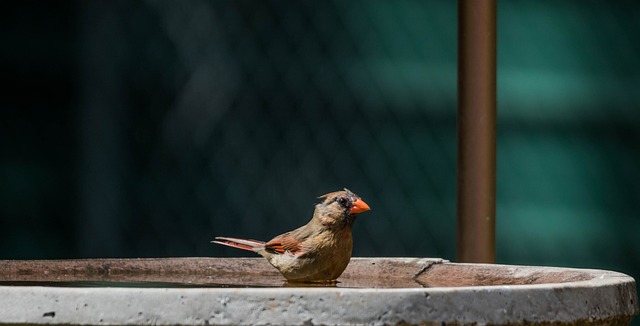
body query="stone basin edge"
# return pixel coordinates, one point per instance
(607, 298)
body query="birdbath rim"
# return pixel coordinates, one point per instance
(409, 290)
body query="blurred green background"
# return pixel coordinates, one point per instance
(145, 128)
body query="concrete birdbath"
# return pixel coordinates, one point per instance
(203, 291)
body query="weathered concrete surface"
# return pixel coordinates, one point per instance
(533, 295)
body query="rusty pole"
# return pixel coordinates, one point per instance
(476, 208)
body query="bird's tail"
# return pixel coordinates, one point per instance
(244, 244)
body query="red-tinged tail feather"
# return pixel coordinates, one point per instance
(244, 244)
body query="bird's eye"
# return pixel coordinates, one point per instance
(342, 201)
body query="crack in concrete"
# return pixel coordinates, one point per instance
(424, 269)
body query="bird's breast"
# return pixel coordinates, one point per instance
(324, 257)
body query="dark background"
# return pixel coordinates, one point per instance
(145, 128)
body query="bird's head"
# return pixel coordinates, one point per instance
(340, 207)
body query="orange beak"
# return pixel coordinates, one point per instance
(359, 206)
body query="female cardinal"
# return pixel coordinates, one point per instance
(318, 251)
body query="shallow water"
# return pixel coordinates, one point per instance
(192, 273)
(110, 284)
(255, 283)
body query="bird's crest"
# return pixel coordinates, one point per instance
(331, 193)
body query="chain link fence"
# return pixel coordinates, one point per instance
(234, 116)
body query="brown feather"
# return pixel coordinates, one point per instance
(283, 243)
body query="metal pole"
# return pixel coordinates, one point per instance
(476, 209)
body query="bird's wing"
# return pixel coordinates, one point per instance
(283, 243)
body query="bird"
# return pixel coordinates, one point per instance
(318, 251)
